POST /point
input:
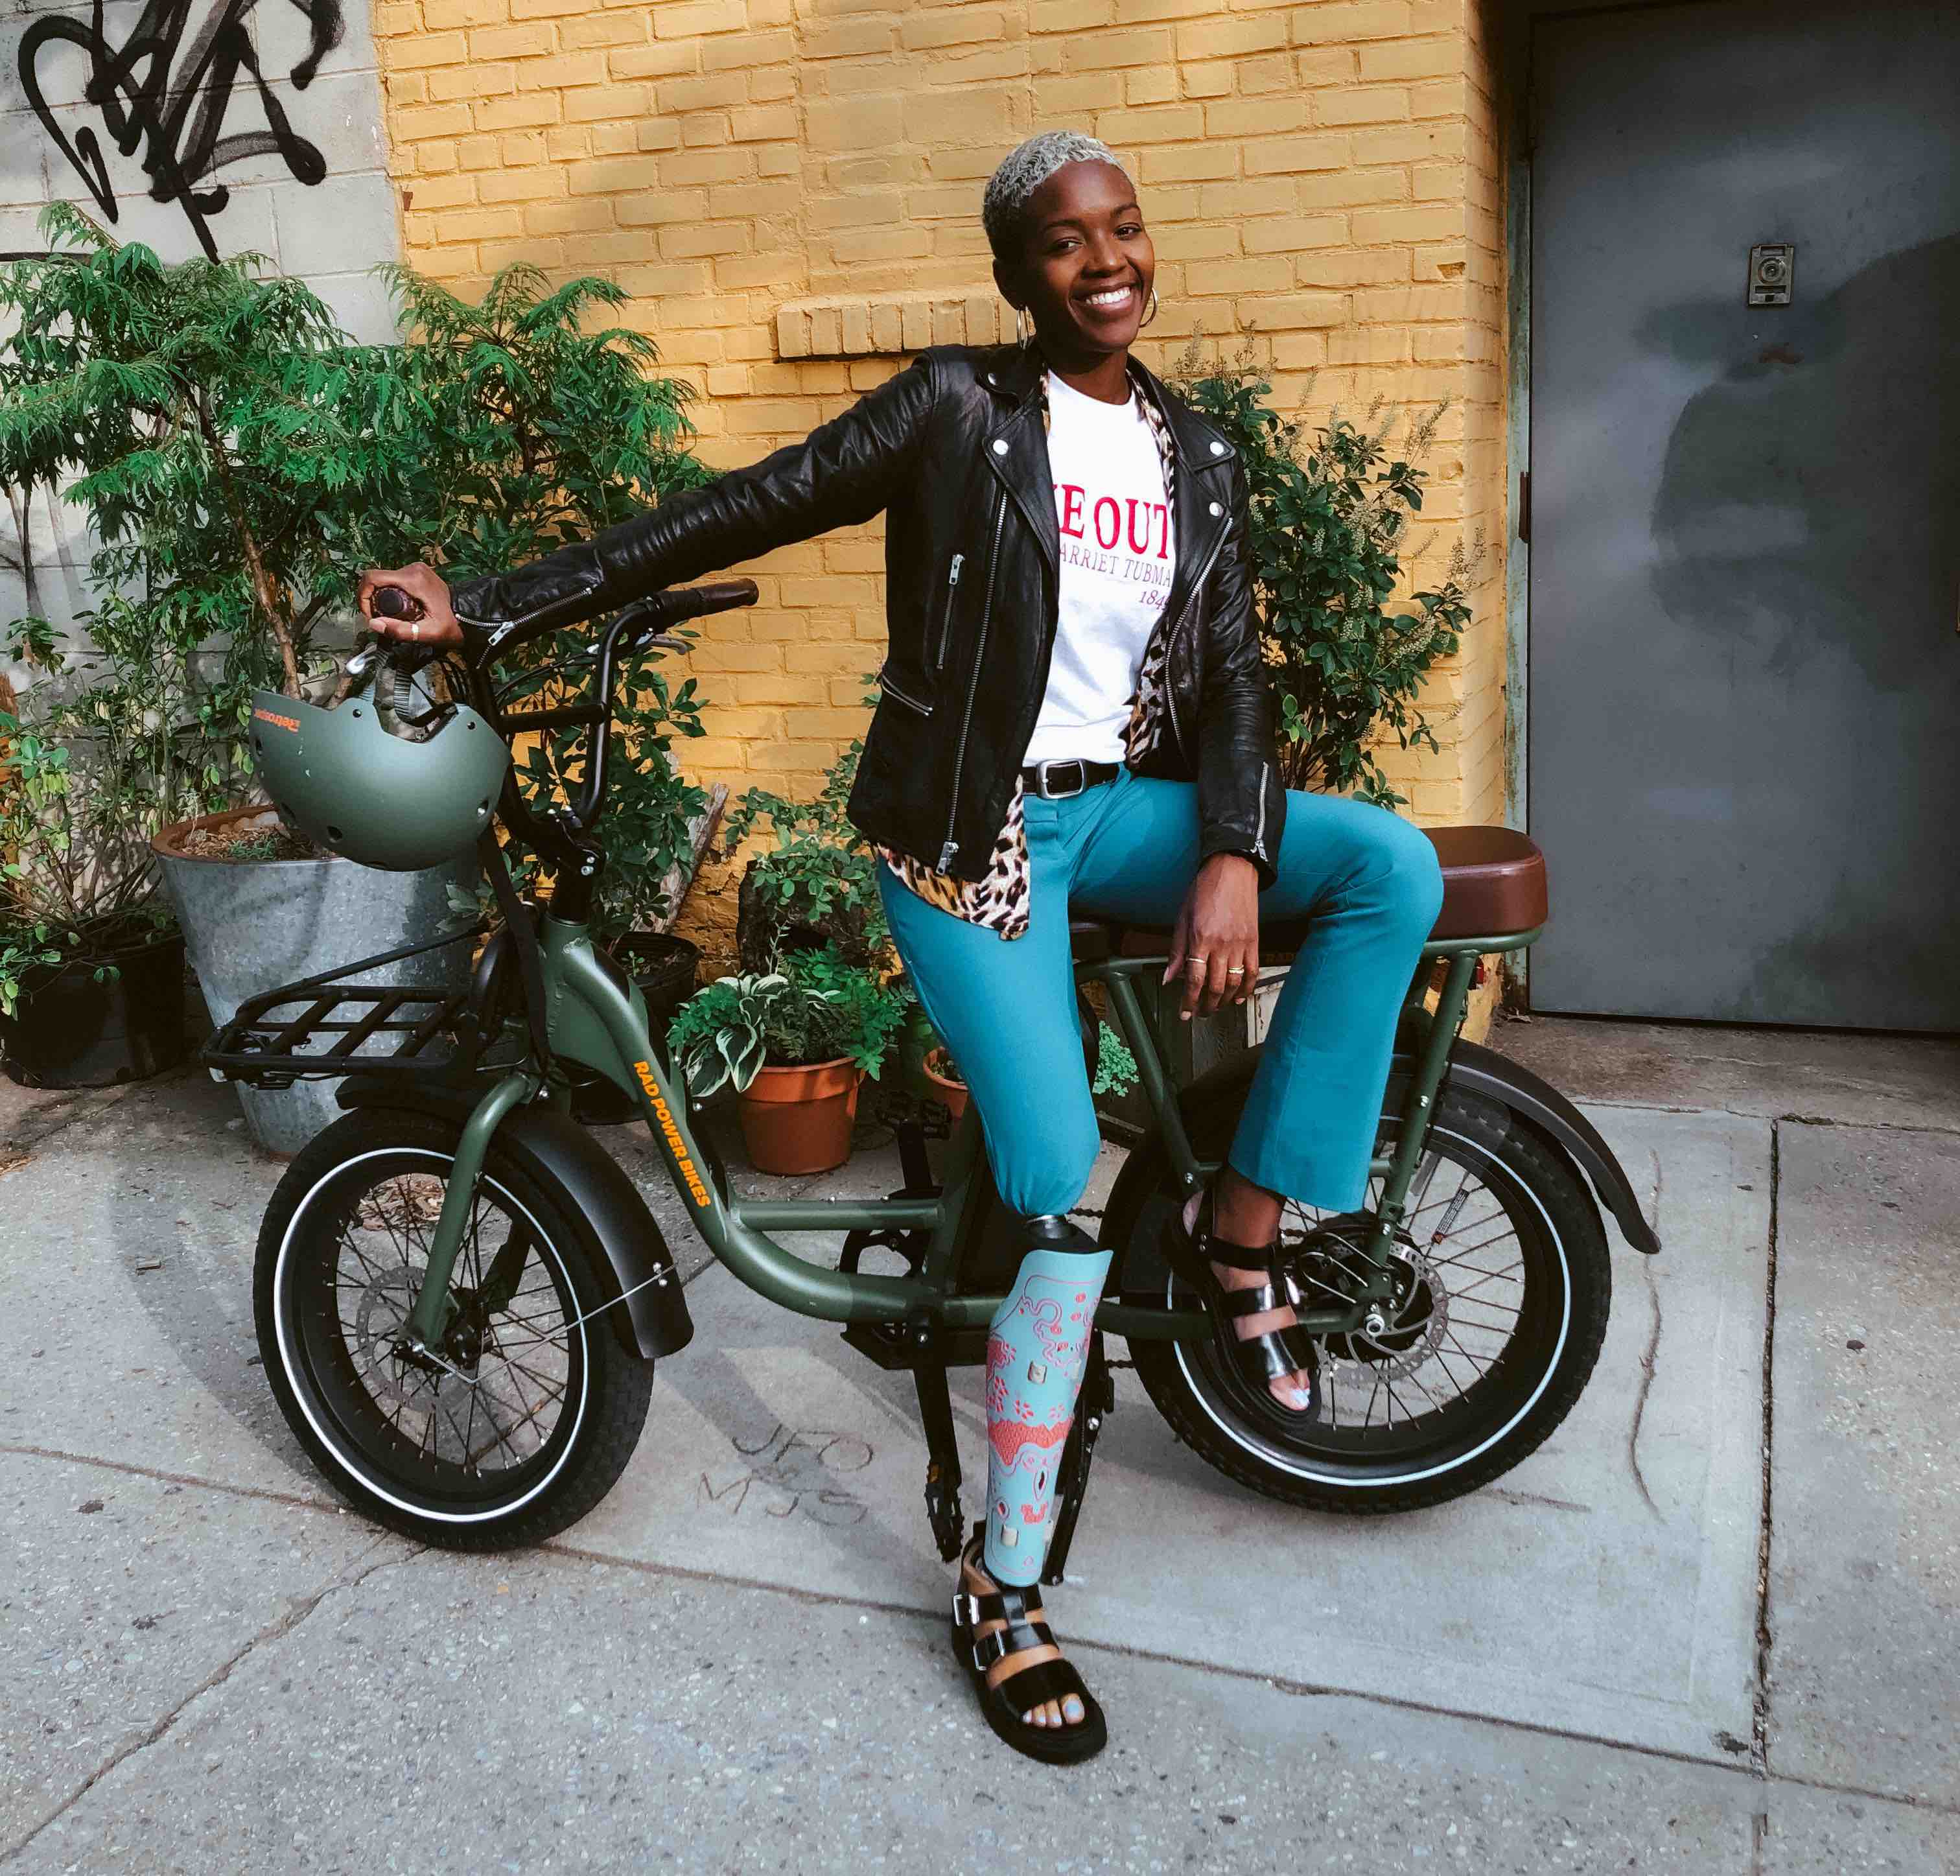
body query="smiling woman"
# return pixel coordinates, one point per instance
(1075, 721)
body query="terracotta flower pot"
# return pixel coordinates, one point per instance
(799, 1120)
(945, 1088)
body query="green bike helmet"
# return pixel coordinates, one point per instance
(348, 781)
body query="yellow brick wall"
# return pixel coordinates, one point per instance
(1323, 175)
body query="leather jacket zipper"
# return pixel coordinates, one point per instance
(892, 690)
(1259, 833)
(1170, 689)
(946, 613)
(951, 846)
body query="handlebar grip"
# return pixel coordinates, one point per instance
(683, 603)
(397, 602)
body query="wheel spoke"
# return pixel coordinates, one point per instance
(509, 1349)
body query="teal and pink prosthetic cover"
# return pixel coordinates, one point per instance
(1037, 1348)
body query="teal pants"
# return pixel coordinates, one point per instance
(1128, 850)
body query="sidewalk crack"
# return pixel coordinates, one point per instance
(351, 1578)
(1759, 1755)
(1647, 1360)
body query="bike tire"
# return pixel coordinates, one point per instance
(1565, 1247)
(313, 1361)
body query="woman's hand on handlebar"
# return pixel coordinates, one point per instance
(433, 623)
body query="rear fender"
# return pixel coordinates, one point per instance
(1211, 1104)
(555, 1150)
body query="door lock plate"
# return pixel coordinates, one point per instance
(1772, 273)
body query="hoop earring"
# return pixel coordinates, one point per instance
(1152, 313)
(1023, 331)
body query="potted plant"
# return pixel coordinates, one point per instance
(794, 1044)
(241, 462)
(187, 409)
(91, 963)
(944, 1078)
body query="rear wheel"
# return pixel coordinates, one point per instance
(1504, 1282)
(523, 1417)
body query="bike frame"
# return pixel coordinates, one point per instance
(593, 1017)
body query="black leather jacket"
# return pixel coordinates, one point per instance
(953, 450)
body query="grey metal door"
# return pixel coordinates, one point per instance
(1745, 668)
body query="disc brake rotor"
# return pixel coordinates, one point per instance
(1415, 1320)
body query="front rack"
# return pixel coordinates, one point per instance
(324, 1026)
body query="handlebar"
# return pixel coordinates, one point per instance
(675, 606)
(563, 835)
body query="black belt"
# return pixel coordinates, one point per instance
(1056, 781)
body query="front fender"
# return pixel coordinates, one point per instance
(1210, 1106)
(555, 1151)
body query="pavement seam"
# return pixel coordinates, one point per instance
(910, 1612)
(124, 1466)
(1793, 1118)
(1303, 1690)
(273, 1632)
(1759, 1749)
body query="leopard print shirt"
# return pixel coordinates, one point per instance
(999, 900)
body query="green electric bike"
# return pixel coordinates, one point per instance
(461, 1297)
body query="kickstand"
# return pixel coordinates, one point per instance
(910, 1135)
(942, 1464)
(1098, 1400)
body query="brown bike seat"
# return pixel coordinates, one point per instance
(1493, 886)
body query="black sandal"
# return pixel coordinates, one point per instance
(1258, 1360)
(1002, 1706)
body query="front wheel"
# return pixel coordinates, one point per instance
(523, 1418)
(1504, 1282)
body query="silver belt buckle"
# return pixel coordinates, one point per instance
(1081, 768)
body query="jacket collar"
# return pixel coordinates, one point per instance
(1014, 372)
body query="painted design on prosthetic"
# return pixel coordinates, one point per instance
(1037, 1348)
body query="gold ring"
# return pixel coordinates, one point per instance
(1237, 971)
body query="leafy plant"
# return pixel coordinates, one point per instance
(242, 462)
(185, 407)
(1329, 518)
(503, 429)
(819, 1009)
(24, 954)
(90, 773)
(1115, 1066)
(865, 1013)
(820, 880)
(717, 1038)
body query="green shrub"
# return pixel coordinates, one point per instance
(820, 878)
(500, 431)
(242, 462)
(1329, 522)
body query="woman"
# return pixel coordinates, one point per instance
(1073, 717)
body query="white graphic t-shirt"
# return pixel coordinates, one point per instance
(1117, 554)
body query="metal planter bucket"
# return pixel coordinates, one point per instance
(252, 924)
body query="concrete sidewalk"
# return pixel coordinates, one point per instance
(1709, 1627)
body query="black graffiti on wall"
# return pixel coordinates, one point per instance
(164, 93)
